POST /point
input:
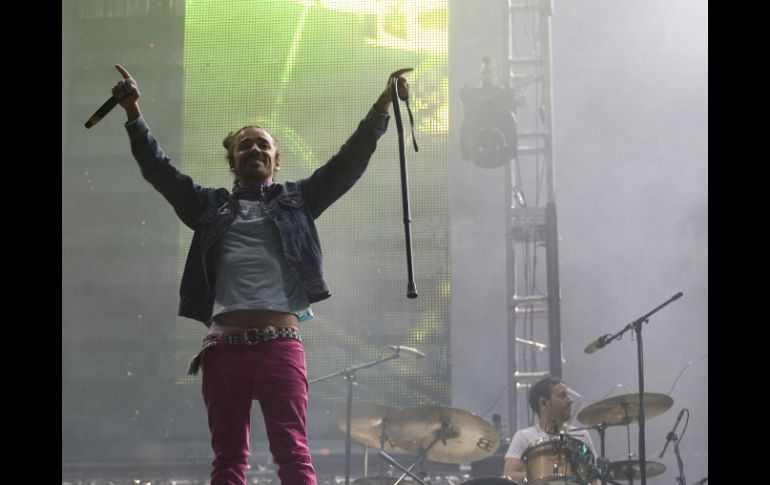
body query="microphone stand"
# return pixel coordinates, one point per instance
(680, 479)
(636, 326)
(349, 375)
(411, 290)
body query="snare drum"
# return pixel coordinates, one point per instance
(557, 460)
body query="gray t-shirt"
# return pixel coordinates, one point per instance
(251, 270)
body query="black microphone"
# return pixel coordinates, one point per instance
(108, 105)
(102, 111)
(670, 435)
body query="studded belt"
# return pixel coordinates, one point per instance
(246, 337)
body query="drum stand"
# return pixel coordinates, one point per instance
(384, 438)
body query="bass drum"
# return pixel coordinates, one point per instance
(490, 481)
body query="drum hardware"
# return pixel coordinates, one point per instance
(621, 410)
(629, 469)
(604, 340)
(624, 409)
(436, 433)
(349, 375)
(442, 434)
(369, 425)
(560, 459)
(407, 471)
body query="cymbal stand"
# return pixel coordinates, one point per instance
(630, 455)
(349, 375)
(407, 471)
(601, 428)
(441, 435)
(384, 438)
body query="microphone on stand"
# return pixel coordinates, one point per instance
(410, 352)
(597, 344)
(670, 435)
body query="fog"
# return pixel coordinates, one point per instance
(630, 126)
(630, 130)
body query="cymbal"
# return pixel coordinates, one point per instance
(624, 409)
(465, 437)
(630, 470)
(366, 424)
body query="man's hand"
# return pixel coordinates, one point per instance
(383, 102)
(127, 93)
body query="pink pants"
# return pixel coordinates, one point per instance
(272, 372)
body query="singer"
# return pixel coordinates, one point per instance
(550, 400)
(253, 269)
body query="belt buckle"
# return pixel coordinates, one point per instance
(252, 335)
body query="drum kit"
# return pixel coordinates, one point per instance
(623, 410)
(450, 435)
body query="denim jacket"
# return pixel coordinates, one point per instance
(292, 206)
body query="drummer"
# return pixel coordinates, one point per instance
(550, 400)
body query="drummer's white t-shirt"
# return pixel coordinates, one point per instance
(525, 437)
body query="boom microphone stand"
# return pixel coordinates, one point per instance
(636, 326)
(350, 375)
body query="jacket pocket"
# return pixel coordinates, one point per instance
(292, 210)
(291, 200)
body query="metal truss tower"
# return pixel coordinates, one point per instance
(534, 320)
